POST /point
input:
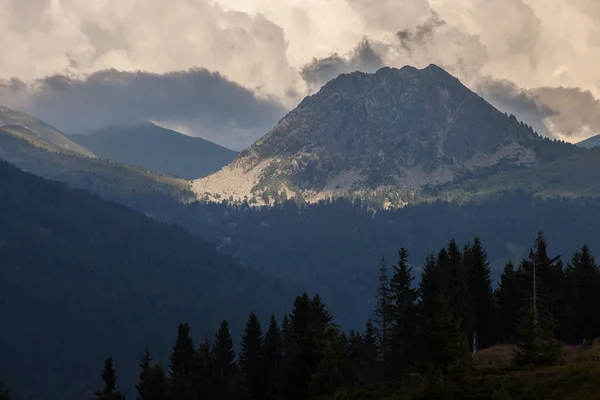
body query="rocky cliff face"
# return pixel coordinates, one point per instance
(396, 130)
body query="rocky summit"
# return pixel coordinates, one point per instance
(390, 132)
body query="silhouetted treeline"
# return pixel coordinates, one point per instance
(430, 329)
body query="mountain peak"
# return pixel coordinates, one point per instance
(395, 129)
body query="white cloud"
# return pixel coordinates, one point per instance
(268, 45)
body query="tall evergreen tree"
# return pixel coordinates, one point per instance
(584, 295)
(403, 317)
(272, 356)
(201, 374)
(224, 361)
(507, 299)
(157, 384)
(145, 366)
(109, 378)
(4, 393)
(328, 376)
(237, 386)
(370, 365)
(382, 315)
(429, 286)
(456, 285)
(251, 356)
(180, 382)
(482, 295)
(536, 343)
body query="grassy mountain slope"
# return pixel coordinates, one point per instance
(132, 185)
(83, 278)
(38, 133)
(157, 149)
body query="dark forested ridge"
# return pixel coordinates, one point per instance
(330, 247)
(425, 341)
(82, 277)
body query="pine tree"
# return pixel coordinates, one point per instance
(157, 384)
(180, 383)
(237, 387)
(4, 393)
(356, 355)
(456, 285)
(444, 344)
(145, 366)
(109, 378)
(403, 317)
(328, 376)
(429, 286)
(507, 298)
(272, 356)
(201, 377)
(584, 295)
(482, 295)
(382, 317)
(536, 343)
(370, 366)
(251, 356)
(224, 361)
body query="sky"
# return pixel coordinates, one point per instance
(228, 70)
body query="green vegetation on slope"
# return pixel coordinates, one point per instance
(82, 277)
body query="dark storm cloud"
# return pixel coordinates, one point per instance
(205, 103)
(567, 111)
(509, 98)
(421, 34)
(363, 58)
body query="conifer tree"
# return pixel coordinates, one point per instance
(456, 285)
(180, 382)
(429, 286)
(482, 295)
(109, 378)
(584, 295)
(382, 317)
(224, 361)
(403, 317)
(201, 377)
(237, 386)
(157, 384)
(328, 376)
(271, 361)
(507, 299)
(370, 366)
(536, 343)
(4, 393)
(145, 366)
(251, 355)
(444, 347)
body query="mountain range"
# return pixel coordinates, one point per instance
(157, 149)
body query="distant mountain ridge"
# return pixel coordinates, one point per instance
(393, 130)
(157, 149)
(38, 133)
(590, 142)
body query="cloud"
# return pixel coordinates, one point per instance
(287, 49)
(570, 114)
(422, 32)
(363, 58)
(202, 103)
(510, 98)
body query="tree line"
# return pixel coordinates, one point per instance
(429, 329)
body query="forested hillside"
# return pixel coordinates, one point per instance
(83, 277)
(332, 247)
(434, 340)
